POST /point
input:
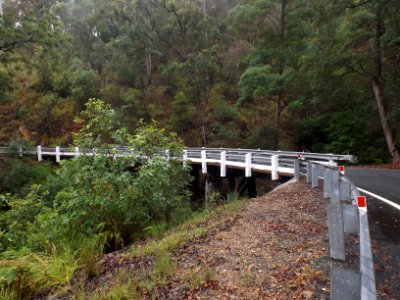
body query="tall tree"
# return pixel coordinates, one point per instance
(24, 23)
(357, 45)
(275, 35)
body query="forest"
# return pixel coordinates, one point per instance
(320, 76)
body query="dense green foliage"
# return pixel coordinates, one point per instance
(317, 75)
(90, 202)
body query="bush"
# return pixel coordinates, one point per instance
(17, 175)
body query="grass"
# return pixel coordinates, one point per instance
(40, 273)
(162, 267)
(46, 272)
(197, 226)
(195, 278)
(7, 294)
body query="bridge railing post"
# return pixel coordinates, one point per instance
(76, 151)
(275, 167)
(39, 153)
(204, 161)
(223, 164)
(58, 154)
(248, 165)
(185, 157)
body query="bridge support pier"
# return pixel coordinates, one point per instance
(195, 183)
(232, 183)
(251, 187)
(208, 189)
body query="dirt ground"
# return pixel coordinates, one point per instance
(276, 248)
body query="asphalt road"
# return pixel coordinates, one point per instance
(385, 183)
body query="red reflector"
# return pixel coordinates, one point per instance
(341, 169)
(298, 156)
(361, 201)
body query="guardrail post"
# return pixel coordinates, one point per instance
(223, 164)
(20, 152)
(204, 161)
(336, 232)
(315, 173)
(274, 166)
(335, 187)
(335, 216)
(296, 169)
(350, 218)
(309, 171)
(76, 151)
(39, 153)
(327, 183)
(345, 190)
(248, 165)
(321, 170)
(58, 155)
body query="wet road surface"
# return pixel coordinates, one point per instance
(384, 222)
(385, 183)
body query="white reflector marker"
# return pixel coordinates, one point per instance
(362, 203)
(395, 205)
(341, 170)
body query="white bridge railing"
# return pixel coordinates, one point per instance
(249, 160)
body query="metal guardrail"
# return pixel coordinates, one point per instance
(347, 213)
(212, 153)
(267, 161)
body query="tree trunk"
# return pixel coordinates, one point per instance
(203, 135)
(278, 112)
(279, 102)
(378, 85)
(379, 97)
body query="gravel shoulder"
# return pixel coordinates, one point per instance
(276, 248)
